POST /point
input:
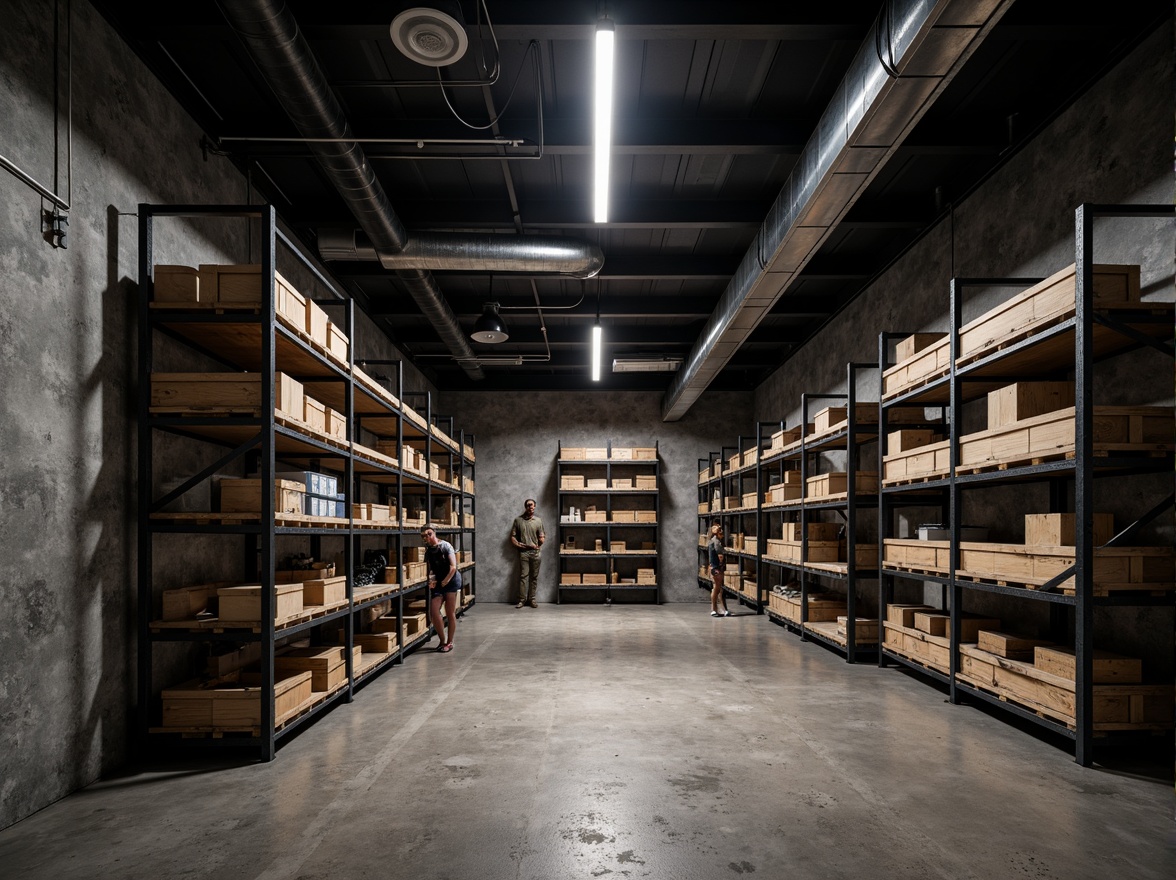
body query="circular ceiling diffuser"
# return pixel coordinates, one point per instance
(429, 36)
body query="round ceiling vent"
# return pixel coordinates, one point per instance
(429, 36)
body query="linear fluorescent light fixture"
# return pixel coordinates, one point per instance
(602, 130)
(647, 365)
(597, 343)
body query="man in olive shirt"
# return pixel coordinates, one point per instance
(527, 535)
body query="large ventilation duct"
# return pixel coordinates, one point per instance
(532, 254)
(283, 56)
(924, 42)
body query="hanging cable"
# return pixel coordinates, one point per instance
(533, 45)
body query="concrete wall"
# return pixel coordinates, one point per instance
(67, 408)
(1113, 146)
(517, 441)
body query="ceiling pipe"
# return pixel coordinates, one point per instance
(909, 56)
(530, 254)
(281, 53)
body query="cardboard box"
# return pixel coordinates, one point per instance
(1057, 529)
(244, 602)
(177, 284)
(1024, 400)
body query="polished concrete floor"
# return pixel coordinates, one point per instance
(570, 742)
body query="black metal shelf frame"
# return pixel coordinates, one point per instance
(269, 441)
(624, 466)
(1082, 471)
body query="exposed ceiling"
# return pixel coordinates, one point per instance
(714, 105)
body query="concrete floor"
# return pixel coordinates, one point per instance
(570, 742)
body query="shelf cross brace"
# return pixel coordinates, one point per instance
(190, 483)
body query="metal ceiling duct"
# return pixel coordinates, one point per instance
(908, 57)
(533, 254)
(281, 53)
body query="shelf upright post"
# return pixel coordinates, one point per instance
(145, 466)
(885, 584)
(350, 546)
(801, 576)
(1084, 485)
(956, 401)
(268, 513)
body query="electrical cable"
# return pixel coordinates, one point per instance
(533, 45)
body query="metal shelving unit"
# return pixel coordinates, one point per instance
(615, 564)
(248, 339)
(1076, 343)
(737, 477)
(852, 439)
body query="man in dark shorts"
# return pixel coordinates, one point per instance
(444, 585)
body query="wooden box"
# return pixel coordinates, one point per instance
(750, 499)
(914, 555)
(865, 628)
(571, 482)
(621, 453)
(908, 439)
(315, 415)
(933, 623)
(595, 516)
(571, 453)
(924, 462)
(568, 577)
(734, 462)
(904, 615)
(732, 502)
(1043, 304)
(316, 323)
(1109, 668)
(289, 305)
(243, 603)
(186, 602)
(232, 660)
(782, 492)
(833, 416)
(927, 363)
(324, 591)
(244, 496)
(817, 531)
(835, 483)
(232, 704)
(622, 516)
(591, 577)
(336, 341)
(386, 624)
(622, 482)
(1024, 400)
(1115, 568)
(597, 483)
(177, 284)
(865, 555)
(335, 423)
(644, 453)
(376, 643)
(1057, 529)
(595, 453)
(616, 547)
(646, 482)
(787, 437)
(645, 516)
(214, 393)
(905, 349)
(240, 285)
(1008, 646)
(599, 546)
(931, 651)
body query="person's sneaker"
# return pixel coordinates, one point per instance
(532, 604)
(715, 614)
(520, 605)
(726, 613)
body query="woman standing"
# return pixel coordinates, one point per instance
(714, 549)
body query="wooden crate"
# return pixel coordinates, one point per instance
(1108, 668)
(233, 659)
(621, 453)
(1042, 305)
(931, 651)
(622, 483)
(337, 342)
(571, 453)
(243, 603)
(316, 324)
(923, 463)
(244, 496)
(908, 439)
(934, 623)
(904, 615)
(835, 483)
(913, 554)
(821, 608)
(1024, 400)
(782, 492)
(376, 643)
(214, 393)
(1057, 529)
(233, 704)
(596, 453)
(1115, 706)
(864, 555)
(865, 628)
(836, 417)
(570, 577)
(572, 482)
(788, 436)
(594, 578)
(817, 531)
(177, 284)
(597, 483)
(315, 415)
(647, 482)
(335, 423)
(928, 363)
(1008, 646)
(1115, 568)
(185, 603)
(644, 453)
(905, 349)
(1115, 429)
(324, 591)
